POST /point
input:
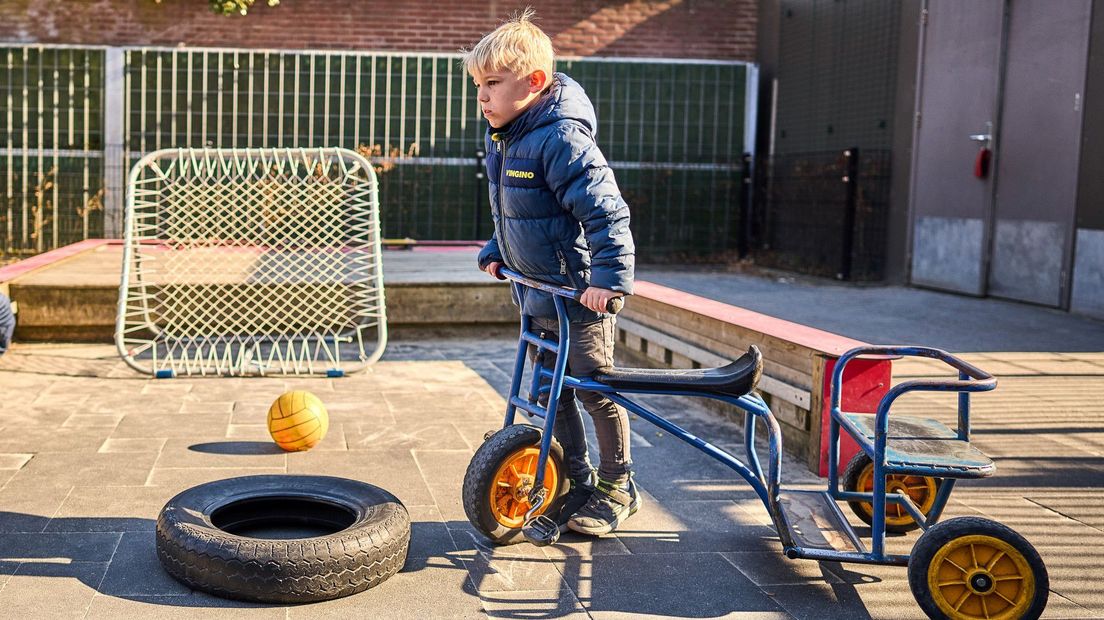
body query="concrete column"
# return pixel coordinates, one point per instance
(115, 161)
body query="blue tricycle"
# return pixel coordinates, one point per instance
(961, 568)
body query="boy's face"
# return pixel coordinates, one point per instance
(503, 96)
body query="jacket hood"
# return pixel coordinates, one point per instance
(565, 100)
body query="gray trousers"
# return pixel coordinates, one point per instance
(591, 348)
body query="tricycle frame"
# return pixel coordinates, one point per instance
(766, 485)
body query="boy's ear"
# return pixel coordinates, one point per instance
(537, 81)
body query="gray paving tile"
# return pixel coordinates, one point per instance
(185, 607)
(179, 479)
(406, 435)
(831, 601)
(575, 545)
(542, 603)
(66, 470)
(206, 407)
(51, 590)
(14, 461)
(354, 408)
(21, 511)
(449, 501)
(1084, 507)
(168, 389)
(255, 432)
(683, 584)
(249, 412)
(774, 569)
(199, 451)
(473, 432)
(498, 572)
(394, 470)
(71, 547)
(170, 425)
(468, 541)
(443, 404)
(437, 589)
(1059, 606)
(136, 571)
(153, 445)
(443, 467)
(133, 403)
(429, 539)
(693, 526)
(110, 509)
(60, 399)
(319, 386)
(50, 439)
(92, 420)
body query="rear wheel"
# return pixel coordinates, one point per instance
(501, 476)
(859, 476)
(971, 568)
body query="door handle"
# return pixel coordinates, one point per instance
(986, 139)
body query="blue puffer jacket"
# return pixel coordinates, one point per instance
(557, 212)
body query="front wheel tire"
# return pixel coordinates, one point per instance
(500, 476)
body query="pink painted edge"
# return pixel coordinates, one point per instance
(27, 265)
(817, 339)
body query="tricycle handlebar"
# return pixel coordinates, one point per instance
(613, 306)
(971, 378)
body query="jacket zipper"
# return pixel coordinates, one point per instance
(563, 262)
(501, 144)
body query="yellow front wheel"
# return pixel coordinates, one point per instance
(859, 476)
(971, 568)
(500, 478)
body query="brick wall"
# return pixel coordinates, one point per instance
(714, 29)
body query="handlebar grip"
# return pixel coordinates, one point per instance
(615, 305)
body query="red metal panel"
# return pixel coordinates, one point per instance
(865, 381)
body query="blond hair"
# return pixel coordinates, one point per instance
(518, 46)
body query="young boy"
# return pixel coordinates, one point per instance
(559, 217)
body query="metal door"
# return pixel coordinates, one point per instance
(1037, 157)
(958, 93)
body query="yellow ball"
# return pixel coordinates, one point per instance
(297, 421)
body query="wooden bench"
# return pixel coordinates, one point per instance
(665, 327)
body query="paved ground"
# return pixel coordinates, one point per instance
(89, 452)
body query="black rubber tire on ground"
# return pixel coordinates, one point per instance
(960, 532)
(369, 543)
(850, 482)
(480, 477)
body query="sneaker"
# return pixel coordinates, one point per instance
(576, 498)
(608, 507)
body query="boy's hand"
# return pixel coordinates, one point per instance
(493, 267)
(597, 298)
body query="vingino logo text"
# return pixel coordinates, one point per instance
(520, 174)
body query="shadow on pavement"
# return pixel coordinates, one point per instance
(237, 447)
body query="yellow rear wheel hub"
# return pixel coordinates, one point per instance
(920, 489)
(513, 482)
(981, 578)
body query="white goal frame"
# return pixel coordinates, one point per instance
(251, 262)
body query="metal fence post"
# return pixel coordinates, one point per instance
(743, 240)
(480, 182)
(114, 112)
(851, 179)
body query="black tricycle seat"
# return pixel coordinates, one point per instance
(735, 379)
